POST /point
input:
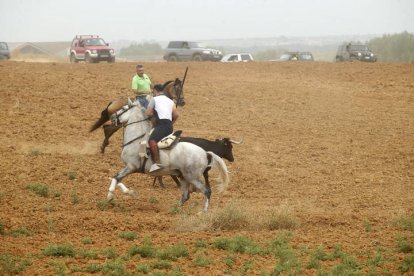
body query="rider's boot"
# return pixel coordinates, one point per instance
(155, 156)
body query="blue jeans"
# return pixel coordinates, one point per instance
(142, 101)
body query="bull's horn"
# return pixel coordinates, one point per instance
(236, 142)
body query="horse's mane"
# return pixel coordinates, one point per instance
(166, 84)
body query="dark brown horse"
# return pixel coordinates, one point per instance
(172, 88)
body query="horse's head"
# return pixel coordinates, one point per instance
(174, 90)
(121, 116)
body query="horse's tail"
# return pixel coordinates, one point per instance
(217, 162)
(104, 118)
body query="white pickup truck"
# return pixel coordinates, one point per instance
(242, 57)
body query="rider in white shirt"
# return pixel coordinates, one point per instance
(165, 113)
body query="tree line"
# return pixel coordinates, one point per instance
(393, 47)
(389, 48)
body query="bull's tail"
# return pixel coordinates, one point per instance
(217, 162)
(103, 119)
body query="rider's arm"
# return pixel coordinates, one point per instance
(174, 114)
(150, 108)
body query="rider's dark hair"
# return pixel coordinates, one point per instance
(158, 87)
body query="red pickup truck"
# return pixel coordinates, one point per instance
(90, 48)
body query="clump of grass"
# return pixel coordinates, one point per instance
(59, 266)
(288, 262)
(51, 225)
(75, 198)
(407, 265)
(35, 152)
(201, 244)
(162, 264)
(404, 245)
(153, 200)
(114, 268)
(142, 268)
(59, 250)
(230, 260)
(10, 265)
(39, 189)
(404, 222)
(146, 250)
(174, 209)
(230, 217)
(316, 257)
(130, 236)
(238, 244)
(105, 204)
(367, 225)
(173, 252)
(72, 175)
(201, 260)
(281, 217)
(21, 231)
(87, 240)
(86, 254)
(110, 253)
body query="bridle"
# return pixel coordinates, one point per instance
(178, 91)
(116, 122)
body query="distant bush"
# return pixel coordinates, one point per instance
(144, 49)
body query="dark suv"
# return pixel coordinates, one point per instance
(4, 51)
(188, 50)
(90, 48)
(350, 52)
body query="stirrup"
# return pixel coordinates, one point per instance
(155, 167)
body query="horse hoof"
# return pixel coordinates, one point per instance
(132, 193)
(110, 197)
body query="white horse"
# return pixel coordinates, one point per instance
(185, 160)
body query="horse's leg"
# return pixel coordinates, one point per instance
(116, 180)
(159, 178)
(203, 188)
(185, 195)
(109, 130)
(176, 180)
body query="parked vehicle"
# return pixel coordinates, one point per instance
(90, 48)
(296, 56)
(4, 51)
(242, 57)
(189, 50)
(350, 52)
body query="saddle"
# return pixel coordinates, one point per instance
(165, 143)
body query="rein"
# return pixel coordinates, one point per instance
(128, 124)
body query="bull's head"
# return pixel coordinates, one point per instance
(228, 148)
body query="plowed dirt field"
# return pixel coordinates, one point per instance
(322, 183)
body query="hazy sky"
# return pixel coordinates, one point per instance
(162, 20)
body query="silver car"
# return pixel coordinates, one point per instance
(4, 51)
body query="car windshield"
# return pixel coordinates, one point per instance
(246, 57)
(3, 46)
(359, 48)
(95, 42)
(306, 56)
(285, 57)
(195, 45)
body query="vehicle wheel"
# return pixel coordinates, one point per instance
(88, 58)
(73, 58)
(197, 58)
(112, 60)
(339, 59)
(172, 58)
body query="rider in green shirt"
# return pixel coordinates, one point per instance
(141, 86)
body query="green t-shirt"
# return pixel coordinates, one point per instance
(141, 83)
